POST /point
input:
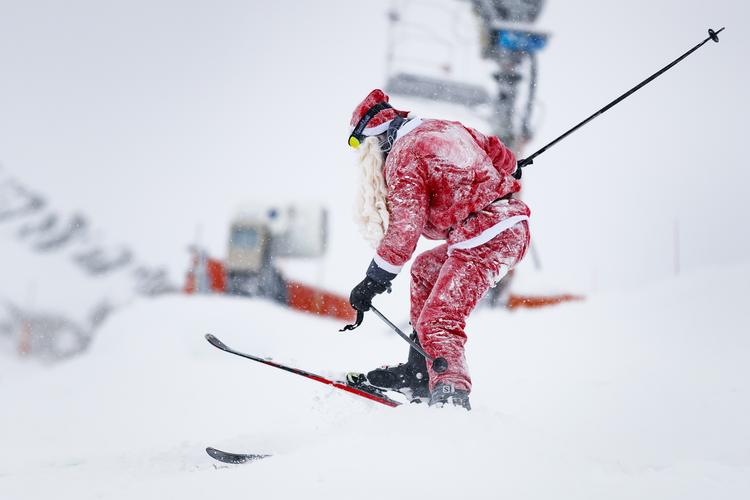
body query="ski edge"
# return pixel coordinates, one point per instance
(378, 398)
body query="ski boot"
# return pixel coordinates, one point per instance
(408, 378)
(444, 393)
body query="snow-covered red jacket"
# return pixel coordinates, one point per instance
(445, 181)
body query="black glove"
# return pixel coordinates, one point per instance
(362, 294)
(517, 174)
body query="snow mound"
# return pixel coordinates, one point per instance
(624, 395)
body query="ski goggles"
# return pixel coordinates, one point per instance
(357, 137)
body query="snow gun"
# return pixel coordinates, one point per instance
(712, 35)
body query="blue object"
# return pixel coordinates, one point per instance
(245, 237)
(520, 41)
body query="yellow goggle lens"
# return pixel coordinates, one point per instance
(354, 142)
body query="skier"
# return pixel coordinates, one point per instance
(445, 181)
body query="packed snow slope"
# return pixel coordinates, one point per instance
(159, 118)
(641, 394)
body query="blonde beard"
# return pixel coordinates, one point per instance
(371, 213)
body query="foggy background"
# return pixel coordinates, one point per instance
(159, 118)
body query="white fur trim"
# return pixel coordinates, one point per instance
(385, 265)
(377, 130)
(408, 127)
(488, 233)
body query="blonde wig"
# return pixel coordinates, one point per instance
(371, 207)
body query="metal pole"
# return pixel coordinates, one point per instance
(439, 364)
(677, 247)
(712, 35)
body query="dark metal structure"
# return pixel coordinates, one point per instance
(508, 40)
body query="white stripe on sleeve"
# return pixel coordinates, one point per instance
(385, 265)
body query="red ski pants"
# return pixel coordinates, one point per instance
(446, 288)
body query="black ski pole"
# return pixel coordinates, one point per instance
(712, 35)
(439, 364)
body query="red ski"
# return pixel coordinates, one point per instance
(365, 391)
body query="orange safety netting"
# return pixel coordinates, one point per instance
(530, 301)
(316, 301)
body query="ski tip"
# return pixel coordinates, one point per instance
(233, 458)
(215, 342)
(215, 454)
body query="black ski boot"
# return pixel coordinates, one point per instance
(410, 377)
(445, 393)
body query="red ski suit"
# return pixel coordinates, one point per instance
(445, 182)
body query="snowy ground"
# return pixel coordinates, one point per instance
(586, 400)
